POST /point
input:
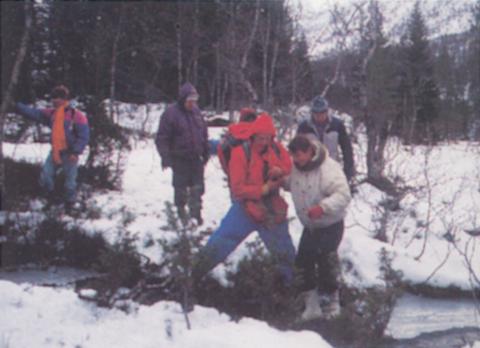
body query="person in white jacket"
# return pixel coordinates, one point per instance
(321, 194)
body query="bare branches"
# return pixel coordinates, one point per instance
(342, 22)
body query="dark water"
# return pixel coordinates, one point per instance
(453, 338)
(414, 315)
(421, 322)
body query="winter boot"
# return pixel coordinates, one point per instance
(331, 305)
(312, 306)
(198, 216)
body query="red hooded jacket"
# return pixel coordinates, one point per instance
(247, 176)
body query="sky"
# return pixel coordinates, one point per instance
(442, 17)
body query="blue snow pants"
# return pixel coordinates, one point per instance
(234, 228)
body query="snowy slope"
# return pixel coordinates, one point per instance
(442, 202)
(447, 176)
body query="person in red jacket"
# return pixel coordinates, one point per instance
(256, 170)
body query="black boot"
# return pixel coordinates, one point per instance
(198, 216)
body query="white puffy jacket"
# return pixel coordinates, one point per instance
(325, 185)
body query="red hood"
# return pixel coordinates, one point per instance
(263, 124)
(241, 130)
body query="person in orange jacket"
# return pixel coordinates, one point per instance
(256, 172)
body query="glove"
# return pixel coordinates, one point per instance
(315, 212)
(275, 172)
(271, 186)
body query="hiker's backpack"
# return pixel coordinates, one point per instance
(229, 141)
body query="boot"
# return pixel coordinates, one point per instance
(198, 216)
(312, 306)
(331, 305)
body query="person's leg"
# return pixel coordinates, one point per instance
(329, 270)
(233, 229)
(180, 187)
(196, 191)
(70, 170)
(305, 261)
(279, 243)
(327, 258)
(47, 176)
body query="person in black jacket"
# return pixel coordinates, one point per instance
(331, 132)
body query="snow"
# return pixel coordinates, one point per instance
(443, 200)
(67, 321)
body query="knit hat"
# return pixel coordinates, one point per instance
(319, 104)
(264, 124)
(60, 92)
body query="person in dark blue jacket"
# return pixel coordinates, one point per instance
(331, 132)
(69, 137)
(182, 143)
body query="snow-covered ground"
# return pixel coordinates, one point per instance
(40, 317)
(444, 200)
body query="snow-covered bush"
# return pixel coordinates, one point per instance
(366, 312)
(257, 289)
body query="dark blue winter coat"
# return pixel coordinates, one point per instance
(181, 133)
(77, 131)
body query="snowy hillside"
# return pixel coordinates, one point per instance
(442, 202)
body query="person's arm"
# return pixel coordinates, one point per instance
(238, 174)
(163, 139)
(338, 194)
(37, 115)
(347, 152)
(206, 145)
(82, 132)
